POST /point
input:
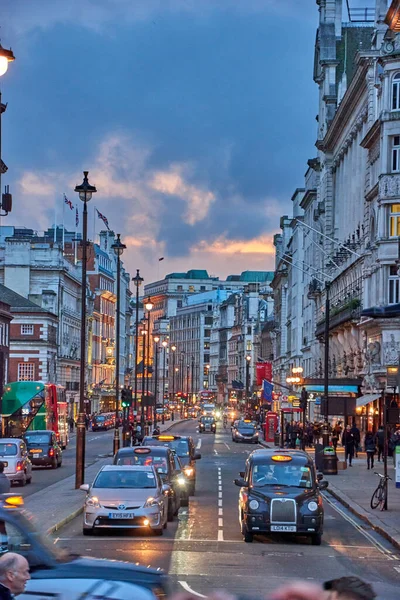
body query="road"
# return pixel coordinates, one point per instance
(97, 443)
(203, 549)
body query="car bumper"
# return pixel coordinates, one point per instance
(202, 430)
(257, 523)
(100, 518)
(248, 440)
(15, 477)
(43, 461)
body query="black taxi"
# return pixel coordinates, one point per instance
(281, 493)
(184, 447)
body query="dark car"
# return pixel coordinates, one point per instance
(184, 446)
(245, 431)
(207, 424)
(43, 448)
(184, 483)
(281, 492)
(47, 562)
(162, 459)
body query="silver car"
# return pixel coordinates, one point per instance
(126, 497)
(14, 456)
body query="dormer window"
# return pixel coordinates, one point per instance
(396, 92)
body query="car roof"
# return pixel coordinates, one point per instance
(136, 450)
(267, 453)
(38, 431)
(11, 440)
(127, 468)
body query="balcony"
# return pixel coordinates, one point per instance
(389, 186)
(349, 311)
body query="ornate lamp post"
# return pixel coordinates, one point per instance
(85, 191)
(208, 376)
(142, 410)
(137, 280)
(164, 344)
(6, 56)
(148, 306)
(173, 349)
(118, 248)
(156, 348)
(248, 360)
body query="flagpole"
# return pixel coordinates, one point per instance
(94, 224)
(76, 235)
(55, 219)
(63, 230)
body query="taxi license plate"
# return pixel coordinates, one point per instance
(283, 527)
(36, 455)
(121, 515)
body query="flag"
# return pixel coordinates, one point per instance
(76, 217)
(103, 218)
(160, 259)
(267, 390)
(66, 201)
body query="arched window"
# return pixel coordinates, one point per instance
(396, 92)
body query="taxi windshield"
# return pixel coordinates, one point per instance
(287, 475)
(247, 427)
(37, 438)
(147, 460)
(207, 419)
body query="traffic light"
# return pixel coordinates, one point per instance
(126, 397)
(303, 399)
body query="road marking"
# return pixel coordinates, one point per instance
(215, 452)
(227, 445)
(397, 569)
(187, 588)
(198, 445)
(220, 512)
(219, 502)
(221, 523)
(220, 495)
(220, 488)
(220, 535)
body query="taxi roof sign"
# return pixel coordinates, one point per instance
(14, 500)
(166, 438)
(142, 450)
(281, 458)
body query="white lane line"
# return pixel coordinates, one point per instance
(219, 502)
(220, 522)
(220, 535)
(220, 512)
(198, 445)
(397, 569)
(220, 488)
(220, 495)
(187, 588)
(215, 452)
(227, 446)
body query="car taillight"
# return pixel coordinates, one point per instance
(51, 452)
(20, 466)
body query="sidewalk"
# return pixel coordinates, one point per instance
(354, 488)
(57, 504)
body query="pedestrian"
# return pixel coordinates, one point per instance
(14, 573)
(87, 421)
(393, 442)
(139, 434)
(71, 423)
(370, 448)
(156, 430)
(336, 435)
(357, 438)
(5, 485)
(348, 444)
(379, 440)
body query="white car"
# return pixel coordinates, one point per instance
(90, 589)
(126, 497)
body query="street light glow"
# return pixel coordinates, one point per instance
(6, 56)
(3, 65)
(149, 305)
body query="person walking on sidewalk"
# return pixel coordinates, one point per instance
(370, 448)
(379, 439)
(348, 444)
(357, 438)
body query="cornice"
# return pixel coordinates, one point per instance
(372, 135)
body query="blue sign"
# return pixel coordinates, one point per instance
(267, 390)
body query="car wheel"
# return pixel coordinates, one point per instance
(29, 480)
(248, 537)
(170, 511)
(185, 500)
(59, 464)
(165, 524)
(88, 531)
(192, 489)
(316, 539)
(54, 464)
(22, 483)
(158, 531)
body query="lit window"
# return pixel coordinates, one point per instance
(394, 286)
(394, 220)
(396, 92)
(26, 371)
(27, 329)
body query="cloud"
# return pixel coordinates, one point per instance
(261, 245)
(32, 184)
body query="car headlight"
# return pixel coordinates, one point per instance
(253, 504)
(189, 471)
(312, 506)
(150, 502)
(239, 434)
(181, 481)
(256, 433)
(93, 501)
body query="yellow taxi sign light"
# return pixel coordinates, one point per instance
(247, 421)
(166, 438)
(14, 500)
(142, 450)
(281, 458)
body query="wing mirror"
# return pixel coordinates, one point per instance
(240, 483)
(84, 487)
(319, 476)
(323, 485)
(197, 456)
(241, 474)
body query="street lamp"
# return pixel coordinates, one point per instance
(6, 56)
(118, 248)
(148, 306)
(192, 382)
(173, 348)
(208, 376)
(137, 280)
(85, 191)
(156, 341)
(164, 344)
(144, 333)
(248, 360)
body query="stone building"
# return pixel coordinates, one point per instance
(5, 319)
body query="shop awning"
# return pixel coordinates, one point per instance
(364, 400)
(332, 389)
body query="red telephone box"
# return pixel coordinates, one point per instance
(270, 426)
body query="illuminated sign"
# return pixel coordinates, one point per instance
(281, 458)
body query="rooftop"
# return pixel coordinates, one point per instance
(18, 303)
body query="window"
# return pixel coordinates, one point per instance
(394, 285)
(249, 330)
(27, 329)
(207, 333)
(208, 321)
(396, 92)
(26, 371)
(179, 304)
(202, 288)
(180, 288)
(191, 288)
(394, 220)
(395, 153)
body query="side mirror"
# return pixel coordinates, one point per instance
(241, 473)
(165, 488)
(240, 483)
(197, 456)
(84, 487)
(319, 476)
(323, 485)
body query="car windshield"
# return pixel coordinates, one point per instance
(125, 480)
(207, 419)
(279, 474)
(181, 447)
(246, 428)
(8, 450)
(99, 418)
(158, 462)
(37, 438)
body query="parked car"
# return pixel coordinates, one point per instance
(14, 456)
(43, 448)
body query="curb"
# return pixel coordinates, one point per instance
(79, 510)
